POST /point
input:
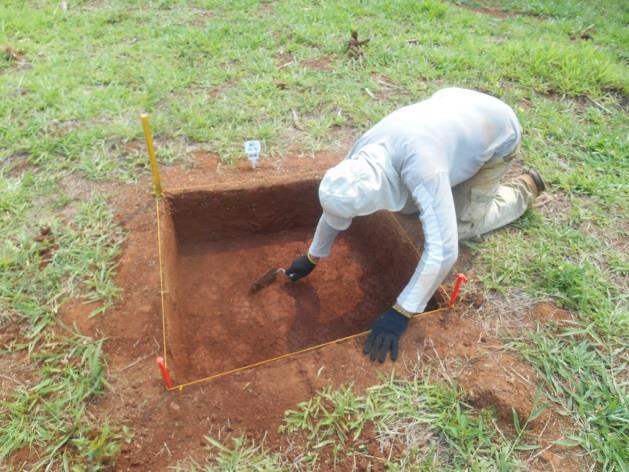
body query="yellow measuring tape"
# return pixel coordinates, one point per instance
(283, 356)
(161, 278)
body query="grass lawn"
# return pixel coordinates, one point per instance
(76, 74)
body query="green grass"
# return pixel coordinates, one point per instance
(584, 374)
(49, 418)
(585, 363)
(242, 455)
(552, 259)
(79, 259)
(74, 81)
(428, 425)
(214, 80)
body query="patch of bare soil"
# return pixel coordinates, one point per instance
(12, 58)
(504, 383)
(285, 59)
(220, 89)
(15, 368)
(322, 63)
(266, 9)
(545, 312)
(170, 426)
(497, 12)
(17, 163)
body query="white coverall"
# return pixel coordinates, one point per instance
(444, 157)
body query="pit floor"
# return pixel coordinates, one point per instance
(220, 326)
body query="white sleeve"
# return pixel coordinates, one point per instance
(323, 239)
(438, 218)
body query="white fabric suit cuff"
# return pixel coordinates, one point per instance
(323, 240)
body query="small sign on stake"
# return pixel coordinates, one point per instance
(252, 148)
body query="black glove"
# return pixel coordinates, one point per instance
(300, 267)
(385, 335)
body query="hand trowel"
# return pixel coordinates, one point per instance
(267, 279)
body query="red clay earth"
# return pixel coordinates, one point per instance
(170, 426)
(216, 243)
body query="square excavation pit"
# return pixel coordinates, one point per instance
(216, 243)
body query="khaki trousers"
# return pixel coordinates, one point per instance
(483, 205)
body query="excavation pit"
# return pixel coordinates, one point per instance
(216, 243)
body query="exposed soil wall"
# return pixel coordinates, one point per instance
(204, 216)
(217, 243)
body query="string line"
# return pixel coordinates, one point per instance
(400, 230)
(285, 356)
(161, 279)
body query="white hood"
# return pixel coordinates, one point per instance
(360, 185)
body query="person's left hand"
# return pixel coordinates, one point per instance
(385, 335)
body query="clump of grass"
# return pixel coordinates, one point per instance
(584, 375)
(242, 455)
(333, 418)
(428, 426)
(48, 415)
(565, 69)
(73, 259)
(429, 422)
(583, 364)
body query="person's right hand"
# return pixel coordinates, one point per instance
(385, 335)
(300, 267)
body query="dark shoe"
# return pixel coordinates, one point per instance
(539, 182)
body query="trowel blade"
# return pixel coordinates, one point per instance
(267, 279)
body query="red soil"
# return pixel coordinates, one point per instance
(169, 426)
(215, 244)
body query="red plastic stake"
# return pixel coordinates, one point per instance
(162, 368)
(460, 279)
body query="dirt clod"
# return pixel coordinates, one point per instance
(12, 54)
(475, 300)
(545, 312)
(505, 393)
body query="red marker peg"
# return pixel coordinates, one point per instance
(162, 368)
(460, 279)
